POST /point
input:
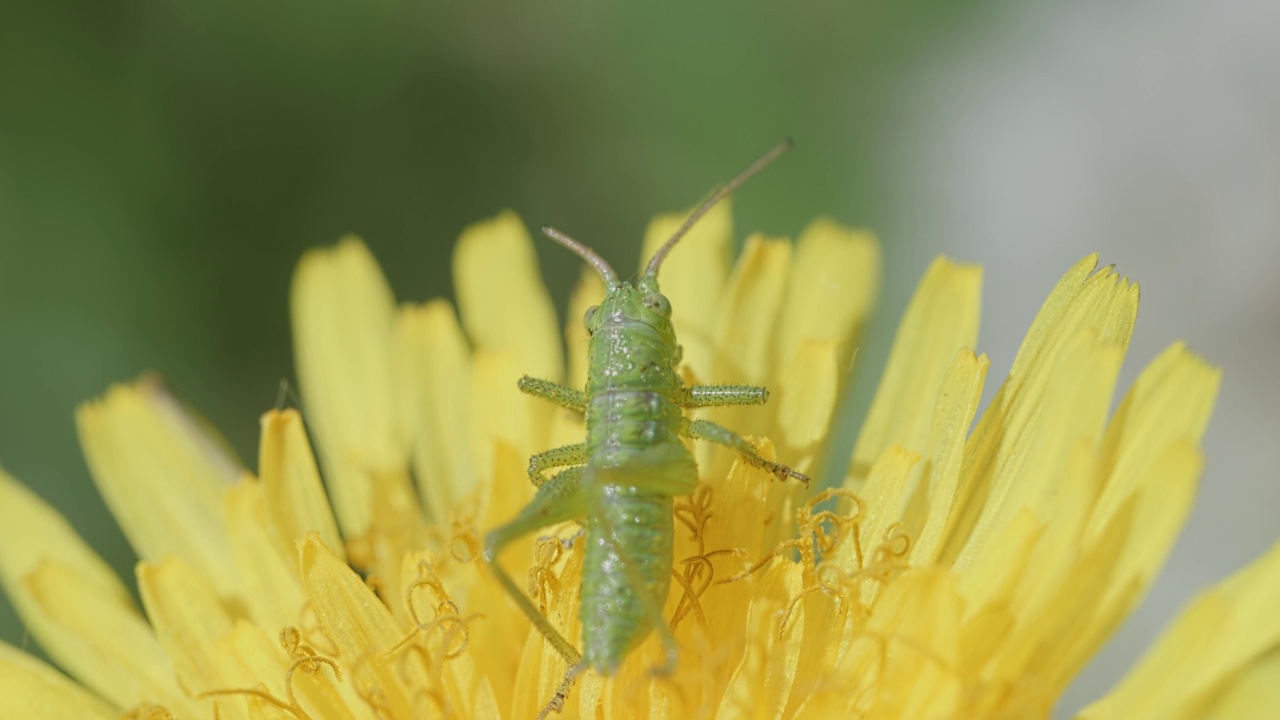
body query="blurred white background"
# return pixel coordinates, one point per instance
(1149, 132)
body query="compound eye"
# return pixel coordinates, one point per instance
(658, 304)
(589, 316)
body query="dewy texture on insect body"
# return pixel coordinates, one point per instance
(624, 477)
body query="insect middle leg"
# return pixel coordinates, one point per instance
(717, 395)
(561, 395)
(711, 432)
(563, 456)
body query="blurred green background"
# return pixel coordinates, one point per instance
(163, 166)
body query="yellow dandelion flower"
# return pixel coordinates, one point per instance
(959, 570)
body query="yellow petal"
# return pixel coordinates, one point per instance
(32, 532)
(1050, 557)
(188, 619)
(292, 493)
(835, 279)
(35, 691)
(807, 394)
(692, 278)
(107, 646)
(1058, 391)
(435, 365)
(1252, 694)
(1214, 643)
(933, 503)
(162, 476)
(501, 297)
(1168, 489)
(993, 578)
(588, 292)
(463, 683)
(1054, 635)
(357, 622)
(763, 678)
(251, 659)
(1169, 404)
(902, 662)
(503, 414)
(941, 319)
(273, 593)
(1040, 431)
(749, 309)
(342, 311)
(885, 493)
(917, 619)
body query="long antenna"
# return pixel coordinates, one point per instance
(725, 190)
(584, 252)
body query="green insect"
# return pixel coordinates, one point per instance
(624, 477)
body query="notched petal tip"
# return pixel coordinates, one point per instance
(342, 311)
(162, 473)
(293, 494)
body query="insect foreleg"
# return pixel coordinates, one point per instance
(711, 432)
(560, 499)
(715, 395)
(561, 395)
(555, 458)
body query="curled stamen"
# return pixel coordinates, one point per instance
(783, 546)
(436, 698)
(795, 601)
(310, 665)
(426, 579)
(433, 689)
(147, 711)
(376, 699)
(544, 581)
(693, 572)
(689, 601)
(297, 649)
(464, 533)
(446, 617)
(303, 659)
(263, 695)
(897, 543)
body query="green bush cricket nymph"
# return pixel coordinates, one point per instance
(623, 478)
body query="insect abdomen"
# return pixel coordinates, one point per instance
(629, 546)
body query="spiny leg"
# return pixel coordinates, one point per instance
(563, 456)
(711, 432)
(697, 396)
(560, 499)
(561, 395)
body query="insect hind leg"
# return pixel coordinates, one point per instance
(559, 499)
(711, 432)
